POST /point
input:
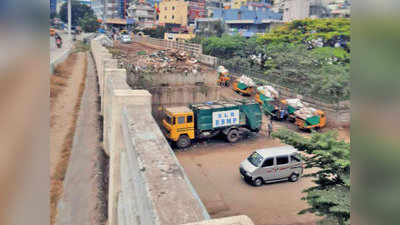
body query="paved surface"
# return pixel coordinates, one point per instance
(58, 52)
(213, 169)
(76, 204)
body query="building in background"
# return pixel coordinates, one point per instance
(115, 9)
(143, 14)
(339, 8)
(212, 5)
(196, 9)
(296, 10)
(301, 9)
(98, 8)
(255, 17)
(173, 12)
(53, 6)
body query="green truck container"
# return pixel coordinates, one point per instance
(206, 120)
(223, 114)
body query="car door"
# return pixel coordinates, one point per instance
(267, 169)
(282, 167)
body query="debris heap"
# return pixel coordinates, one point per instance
(268, 91)
(247, 81)
(163, 61)
(306, 112)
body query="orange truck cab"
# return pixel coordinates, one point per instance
(242, 88)
(224, 79)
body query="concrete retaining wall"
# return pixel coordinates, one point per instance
(145, 177)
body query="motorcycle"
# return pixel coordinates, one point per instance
(58, 43)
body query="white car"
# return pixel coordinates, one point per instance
(126, 39)
(271, 165)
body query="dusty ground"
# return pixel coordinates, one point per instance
(80, 202)
(65, 93)
(66, 88)
(212, 167)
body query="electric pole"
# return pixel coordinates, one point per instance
(69, 18)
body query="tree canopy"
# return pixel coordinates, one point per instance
(78, 12)
(313, 33)
(330, 197)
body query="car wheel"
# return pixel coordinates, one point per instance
(258, 182)
(183, 141)
(294, 177)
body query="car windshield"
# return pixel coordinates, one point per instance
(255, 159)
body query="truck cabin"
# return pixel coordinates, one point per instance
(178, 121)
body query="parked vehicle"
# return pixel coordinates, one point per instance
(272, 165)
(126, 39)
(224, 78)
(309, 118)
(198, 121)
(242, 88)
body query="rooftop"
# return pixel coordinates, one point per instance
(178, 109)
(276, 151)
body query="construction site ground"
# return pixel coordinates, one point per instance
(213, 168)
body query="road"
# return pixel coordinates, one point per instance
(57, 52)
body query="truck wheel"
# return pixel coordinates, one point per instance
(233, 136)
(258, 182)
(183, 141)
(294, 177)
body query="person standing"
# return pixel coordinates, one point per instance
(269, 128)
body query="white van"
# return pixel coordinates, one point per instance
(271, 165)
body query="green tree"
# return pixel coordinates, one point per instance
(319, 73)
(224, 47)
(311, 32)
(89, 23)
(331, 195)
(78, 12)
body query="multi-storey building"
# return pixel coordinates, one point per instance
(197, 9)
(53, 6)
(174, 12)
(249, 20)
(142, 13)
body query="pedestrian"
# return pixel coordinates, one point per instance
(269, 128)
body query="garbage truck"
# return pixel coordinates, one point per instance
(244, 85)
(309, 118)
(224, 78)
(182, 125)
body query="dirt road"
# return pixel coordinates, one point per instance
(213, 169)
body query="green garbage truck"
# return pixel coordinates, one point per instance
(199, 121)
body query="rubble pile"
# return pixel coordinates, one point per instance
(247, 81)
(295, 103)
(306, 112)
(163, 61)
(268, 91)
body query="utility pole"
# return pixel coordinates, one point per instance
(69, 18)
